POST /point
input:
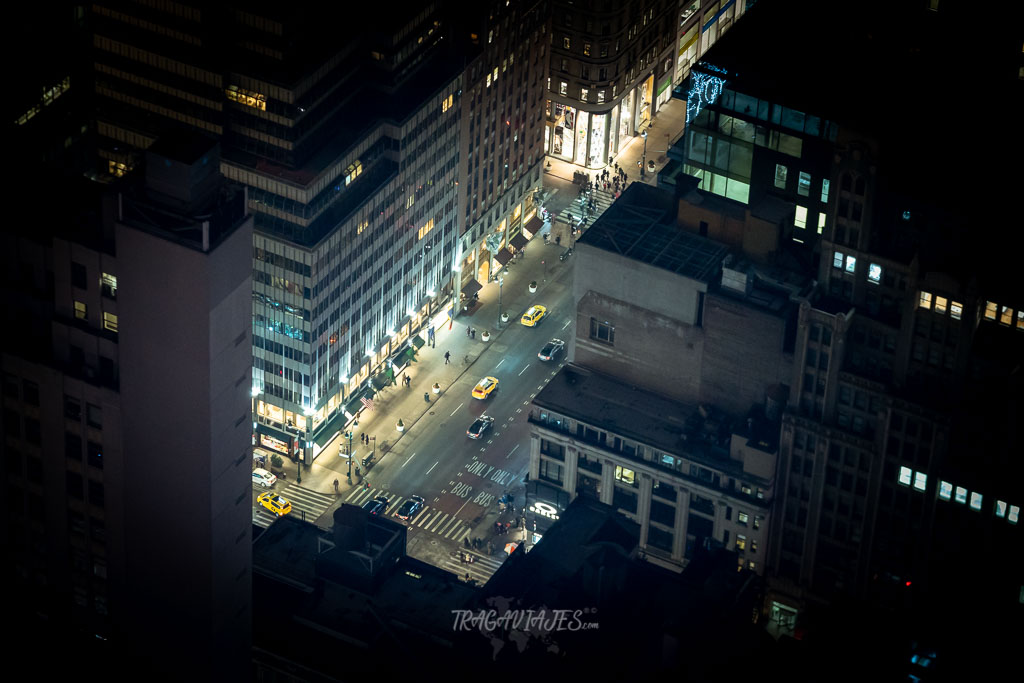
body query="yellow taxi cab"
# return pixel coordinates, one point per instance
(485, 387)
(533, 315)
(275, 503)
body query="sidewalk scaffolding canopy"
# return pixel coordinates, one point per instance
(503, 256)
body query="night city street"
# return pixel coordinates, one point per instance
(545, 340)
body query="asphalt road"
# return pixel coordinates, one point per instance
(460, 477)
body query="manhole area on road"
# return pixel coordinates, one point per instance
(430, 413)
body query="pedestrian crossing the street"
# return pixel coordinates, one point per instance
(306, 504)
(598, 198)
(480, 569)
(427, 518)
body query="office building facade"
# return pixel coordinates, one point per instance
(126, 412)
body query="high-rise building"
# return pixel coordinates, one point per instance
(908, 349)
(501, 144)
(126, 408)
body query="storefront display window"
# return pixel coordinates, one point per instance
(646, 94)
(625, 117)
(581, 136)
(564, 135)
(598, 139)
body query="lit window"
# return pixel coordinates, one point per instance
(961, 494)
(446, 103)
(837, 260)
(801, 217)
(110, 321)
(990, 310)
(600, 96)
(108, 284)
(742, 518)
(741, 541)
(81, 311)
(920, 481)
(757, 521)
(821, 222)
(956, 310)
(1014, 513)
(851, 264)
(1001, 509)
(940, 304)
(563, 87)
(624, 475)
(925, 301)
(945, 490)
(753, 546)
(874, 273)
(583, 94)
(566, 43)
(780, 176)
(495, 79)
(586, 49)
(803, 184)
(1006, 316)
(975, 500)
(1020, 320)
(489, 81)
(905, 474)
(751, 565)
(824, 191)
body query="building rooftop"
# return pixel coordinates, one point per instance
(641, 226)
(697, 433)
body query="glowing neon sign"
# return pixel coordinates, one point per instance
(704, 90)
(544, 510)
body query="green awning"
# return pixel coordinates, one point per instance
(409, 356)
(354, 404)
(417, 341)
(378, 382)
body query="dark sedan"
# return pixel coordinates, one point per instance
(552, 350)
(377, 506)
(481, 425)
(409, 508)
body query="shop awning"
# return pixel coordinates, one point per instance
(519, 241)
(378, 382)
(354, 404)
(533, 225)
(503, 256)
(417, 341)
(471, 287)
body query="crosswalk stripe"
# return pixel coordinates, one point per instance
(438, 523)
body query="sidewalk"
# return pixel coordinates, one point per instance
(407, 403)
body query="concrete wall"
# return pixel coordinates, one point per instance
(185, 349)
(743, 355)
(650, 350)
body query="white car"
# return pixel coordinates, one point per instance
(263, 478)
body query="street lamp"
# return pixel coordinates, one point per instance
(643, 164)
(501, 281)
(348, 435)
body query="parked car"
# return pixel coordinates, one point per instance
(263, 478)
(409, 508)
(377, 506)
(533, 315)
(479, 426)
(275, 503)
(552, 350)
(485, 387)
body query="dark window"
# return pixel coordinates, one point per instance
(72, 408)
(78, 278)
(10, 386)
(659, 538)
(93, 415)
(12, 423)
(74, 484)
(34, 469)
(602, 331)
(95, 455)
(96, 493)
(550, 471)
(626, 500)
(32, 432)
(72, 446)
(13, 461)
(662, 513)
(31, 393)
